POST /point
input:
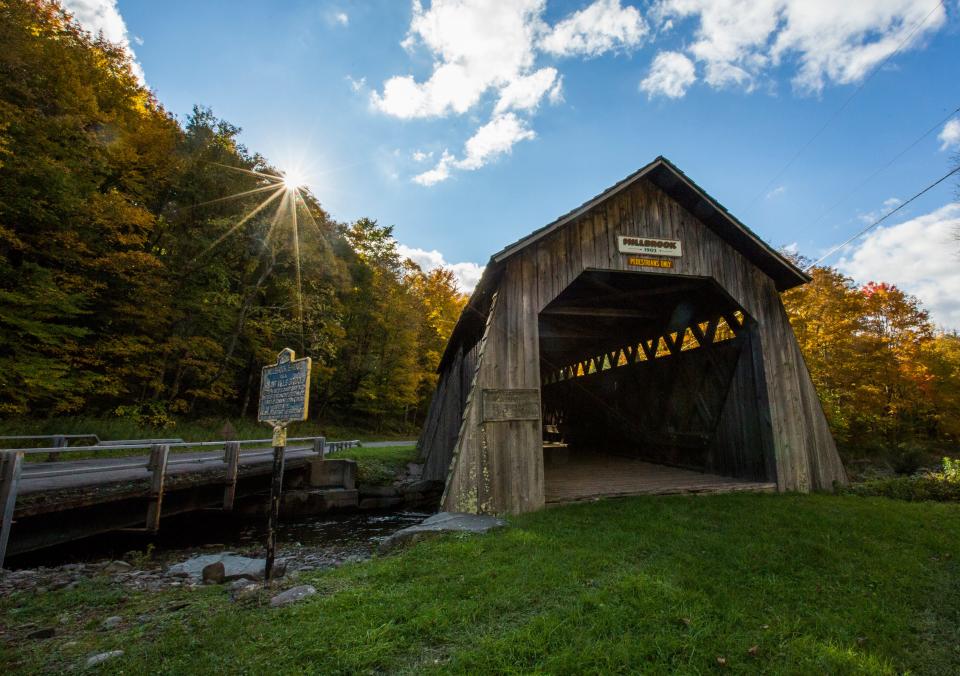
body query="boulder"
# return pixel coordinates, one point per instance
(292, 595)
(117, 567)
(444, 522)
(234, 567)
(213, 573)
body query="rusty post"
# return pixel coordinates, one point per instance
(276, 486)
(157, 466)
(231, 456)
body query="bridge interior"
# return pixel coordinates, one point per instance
(649, 385)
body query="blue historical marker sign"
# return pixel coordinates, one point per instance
(285, 389)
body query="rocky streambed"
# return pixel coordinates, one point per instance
(135, 562)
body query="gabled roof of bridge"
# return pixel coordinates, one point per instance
(669, 178)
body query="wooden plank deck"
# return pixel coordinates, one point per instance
(591, 476)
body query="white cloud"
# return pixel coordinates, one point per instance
(102, 16)
(493, 139)
(497, 137)
(670, 75)
(357, 85)
(342, 18)
(490, 52)
(478, 45)
(421, 156)
(776, 192)
(738, 41)
(467, 274)
(439, 173)
(485, 50)
(525, 93)
(919, 256)
(888, 204)
(600, 27)
(950, 135)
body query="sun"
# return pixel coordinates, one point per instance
(293, 179)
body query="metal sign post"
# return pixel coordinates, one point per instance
(284, 398)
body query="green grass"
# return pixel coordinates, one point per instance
(378, 465)
(765, 583)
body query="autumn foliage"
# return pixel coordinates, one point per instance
(889, 382)
(116, 293)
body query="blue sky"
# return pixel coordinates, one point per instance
(469, 123)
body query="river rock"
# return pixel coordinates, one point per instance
(292, 595)
(115, 567)
(213, 573)
(234, 567)
(444, 522)
(242, 585)
(100, 658)
(111, 622)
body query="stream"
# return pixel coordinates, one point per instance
(140, 559)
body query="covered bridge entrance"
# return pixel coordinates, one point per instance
(636, 345)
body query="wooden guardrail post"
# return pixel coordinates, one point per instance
(231, 456)
(59, 441)
(320, 446)
(11, 464)
(158, 468)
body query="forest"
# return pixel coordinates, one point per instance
(120, 293)
(127, 287)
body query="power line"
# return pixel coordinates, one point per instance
(884, 217)
(843, 106)
(847, 193)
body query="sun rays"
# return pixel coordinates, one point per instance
(283, 193)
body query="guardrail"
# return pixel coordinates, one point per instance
(12, 463)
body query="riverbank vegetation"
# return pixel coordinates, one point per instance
(747, 583)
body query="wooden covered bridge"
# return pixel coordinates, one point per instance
(637, 344)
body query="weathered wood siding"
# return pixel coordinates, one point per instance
(497, 466)
(445, 415)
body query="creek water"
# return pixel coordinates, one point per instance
(308, 543)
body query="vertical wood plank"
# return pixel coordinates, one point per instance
(11, 466)
(231, 456)
(158, 468)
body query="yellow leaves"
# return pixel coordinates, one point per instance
(865, 348)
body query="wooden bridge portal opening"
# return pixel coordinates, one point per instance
(646, 324)
(649, 385)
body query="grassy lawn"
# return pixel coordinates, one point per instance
(378, 465)
(745, 583)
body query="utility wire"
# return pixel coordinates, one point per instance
(884, 217)
(843, 106)
(848, 193)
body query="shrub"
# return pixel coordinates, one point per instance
(941, 486)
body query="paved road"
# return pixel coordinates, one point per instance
(72, 474)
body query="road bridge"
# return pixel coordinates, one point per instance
(132, 485)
